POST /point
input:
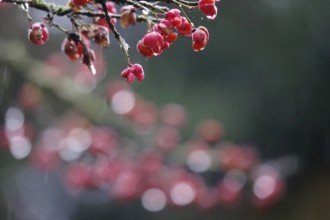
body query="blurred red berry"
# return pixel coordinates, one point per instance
(38, 33)
(211, 130)
(167, 138)
(101, 36)
(45, 158)
(78, 3)
(73, 49)
(151, 163)
(29, 97)
(173, 115)
(127, 185)
(104, 140)
(78, 176)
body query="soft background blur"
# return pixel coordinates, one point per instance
(264, 74)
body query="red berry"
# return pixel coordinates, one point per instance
(133, 71)
(73, 49)
(78, 3)
(145, 51)
(38, 33)
(153, 41)
(185, 28)
(174, 17)
(208, 8)
(138, 71)
(164, 27)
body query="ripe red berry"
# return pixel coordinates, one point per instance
(145, 51)
(152, 44)
(174, 17)
(78, 3)
(133, 71)
(73, 49)
(38, 33)
(208, 8)
(154, 40)
(164, 27)
(200, 37)
(138, 71)
(185, 28)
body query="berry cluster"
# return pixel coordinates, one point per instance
(163, 34)
(164, 24)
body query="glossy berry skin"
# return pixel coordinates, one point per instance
(134, 70)
(38, 33)
(200, 37)
(155, 41)
(144, 50)
(151, 44)
(173, 16)
(185, 28)
(164, 27)
(208, 8)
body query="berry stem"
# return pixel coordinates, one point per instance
(123, 45)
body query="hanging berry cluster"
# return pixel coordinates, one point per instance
(164, 23)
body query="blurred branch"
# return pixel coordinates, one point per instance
(92, 106)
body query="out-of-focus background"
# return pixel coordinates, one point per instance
(264, 74)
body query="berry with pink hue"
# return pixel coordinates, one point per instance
(151, 44)
(164, 27)
(72, 48)
(185, 28)
(111, 10)
(38, 33)
(80, 3)
(200, 38)
(174, 17)
(208, 8)
(132, 71)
